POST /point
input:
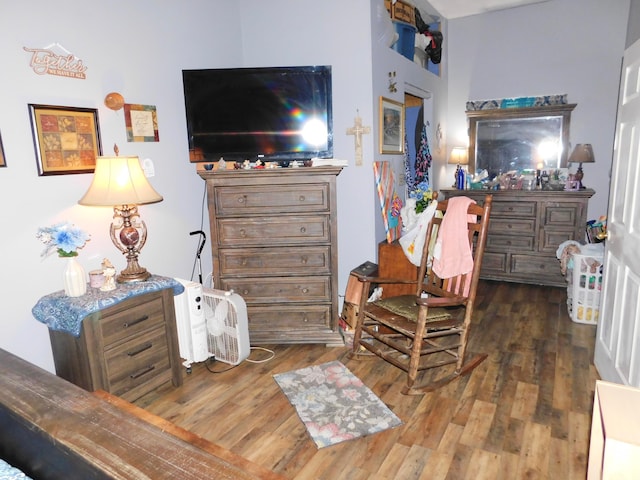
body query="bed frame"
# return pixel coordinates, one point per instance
(52, 429)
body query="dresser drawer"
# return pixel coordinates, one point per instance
(282, 230)
(126, 321)
(280, 289)
(561, 214)
(138, 361)
(506, 209)
(270, 317)
(272, 198)
(512, 226)
(534, 264)
(510, 242)
(276, 261)
(551, 238)
(494, 262)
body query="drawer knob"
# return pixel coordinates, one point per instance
(305, 290)
(245, 292)
(243, 262)
(304, 260)
(243, 232)
(301, 198)
(242, 199)
(142, 372)
(135, 322)
(140, 349)
(305, 319)
(303, 229)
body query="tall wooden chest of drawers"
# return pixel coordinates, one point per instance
(525, 230)
(274, 242)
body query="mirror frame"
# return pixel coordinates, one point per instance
(563, 110)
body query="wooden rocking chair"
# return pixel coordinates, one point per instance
(429, 329)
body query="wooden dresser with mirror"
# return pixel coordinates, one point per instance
(526, 226)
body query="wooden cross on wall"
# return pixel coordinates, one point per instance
(357, 131)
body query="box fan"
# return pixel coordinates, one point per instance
(227, 325)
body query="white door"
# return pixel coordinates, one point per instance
(617, 349)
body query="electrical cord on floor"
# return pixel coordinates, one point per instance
(273, 354)
(213, 359)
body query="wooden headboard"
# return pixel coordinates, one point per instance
(52, 429)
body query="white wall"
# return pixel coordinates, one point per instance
(137, 49)
(556, 47)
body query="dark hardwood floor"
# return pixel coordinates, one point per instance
(525, 412)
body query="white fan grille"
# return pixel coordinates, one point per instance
(227, 326)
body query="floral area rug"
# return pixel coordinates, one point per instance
(334, 404)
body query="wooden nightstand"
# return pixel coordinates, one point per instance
(128, 348)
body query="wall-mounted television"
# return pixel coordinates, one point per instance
(280, 113)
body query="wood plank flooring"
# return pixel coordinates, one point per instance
(525, 412)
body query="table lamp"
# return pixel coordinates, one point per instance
(120, 182)
(459, 156)
(582, 153)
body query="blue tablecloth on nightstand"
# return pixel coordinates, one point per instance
(65, 314)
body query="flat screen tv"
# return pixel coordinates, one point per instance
(276, 113)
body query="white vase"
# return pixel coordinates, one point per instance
(75, 282)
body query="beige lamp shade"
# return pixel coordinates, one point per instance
(119, 181)
(459, 156)
(582, 153)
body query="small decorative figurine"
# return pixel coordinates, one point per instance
(109, 272)
(246, 165)
(222, 165)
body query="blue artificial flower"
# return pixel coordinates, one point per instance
(62, 237)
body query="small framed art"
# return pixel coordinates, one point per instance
(141, 122)
(66, 139)
(391, 126)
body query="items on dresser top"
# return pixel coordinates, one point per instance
(63, 313)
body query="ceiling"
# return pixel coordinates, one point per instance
(463, 8)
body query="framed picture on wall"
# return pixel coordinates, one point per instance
(391, 126)
(141, 122)
(66, 139)
(3, 163)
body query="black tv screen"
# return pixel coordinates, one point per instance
(244, 113)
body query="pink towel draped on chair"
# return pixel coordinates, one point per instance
(452, 254)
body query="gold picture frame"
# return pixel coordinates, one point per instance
(66, 139)
(391, 131)
(141, 122)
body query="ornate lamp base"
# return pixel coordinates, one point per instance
(129, 234)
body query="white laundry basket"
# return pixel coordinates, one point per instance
(585, 288)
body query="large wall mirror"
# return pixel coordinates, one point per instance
(506, 139)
